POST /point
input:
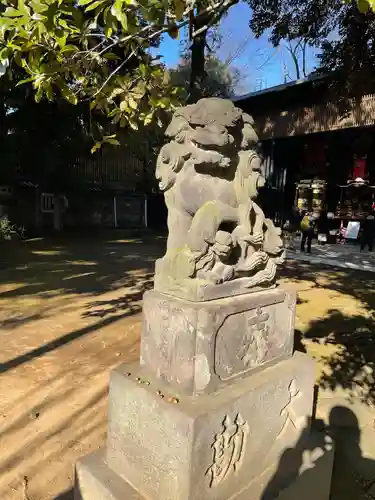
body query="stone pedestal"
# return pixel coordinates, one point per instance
(198, 347)
(219, 408)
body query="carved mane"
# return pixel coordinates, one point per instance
(210, 172)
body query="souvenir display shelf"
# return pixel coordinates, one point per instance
(311, 195)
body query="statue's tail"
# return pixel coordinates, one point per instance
(264, 277)
(256, 260)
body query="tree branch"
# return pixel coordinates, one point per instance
(222, 6)
(304, 59)
(133, 52)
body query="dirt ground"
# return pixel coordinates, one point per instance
(70, 312)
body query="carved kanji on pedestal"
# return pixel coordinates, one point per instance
(255, 338)
(229, 448)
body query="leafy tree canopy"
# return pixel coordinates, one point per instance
(37, 139)
(343, 31)
(97, 51)
(220, 79)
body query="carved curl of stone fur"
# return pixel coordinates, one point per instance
(210, 175)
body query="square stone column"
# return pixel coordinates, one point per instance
(215, 403)
(198, 347)
(219, 406)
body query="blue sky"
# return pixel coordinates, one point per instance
(259, 62)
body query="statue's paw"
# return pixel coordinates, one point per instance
(223, 274)
(251, 239)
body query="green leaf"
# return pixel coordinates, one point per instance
(179, 7)
(114, 142)
(61, 41)
(123, 105)
(38, 17)
(23, 8)
(67, 93)
(166, 78)
(148, 118)
(12, 12)
(111, 57)
(363, 6)
(49, 92)
(95, 147)
(94, 5)
(26, 80)
(69, 49)
(133, 124)
(116, 118)
(84, 2)
(121, 16)
(132, 103)
(38, 7)
(108, 31)
(39, 94)
(124, 120)
(143, 70)
(68, 27)
(4, 54)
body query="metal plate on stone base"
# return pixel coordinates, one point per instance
(199, 347)
(209, 447)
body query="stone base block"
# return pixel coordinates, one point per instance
(307, 476)
(94, 480)
(199, 290)
(175, 447)
(200, 347)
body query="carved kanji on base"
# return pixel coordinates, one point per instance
(229, 448)
(255, 338)
(289, 413)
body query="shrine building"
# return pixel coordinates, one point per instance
(318, 155)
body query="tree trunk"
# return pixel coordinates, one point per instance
(304, 59)
(197, 48)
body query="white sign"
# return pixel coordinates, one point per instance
(352, 230)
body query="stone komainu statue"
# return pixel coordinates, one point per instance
(219, 241)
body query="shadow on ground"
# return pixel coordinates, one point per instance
(351, 366)
(68, 316)
(109, 276)
(68, 495)
(307, 461)
(77, 266)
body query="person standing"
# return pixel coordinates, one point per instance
(368, 232)
(307, 228)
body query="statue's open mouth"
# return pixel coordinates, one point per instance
(208, 155)
(214, 148)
